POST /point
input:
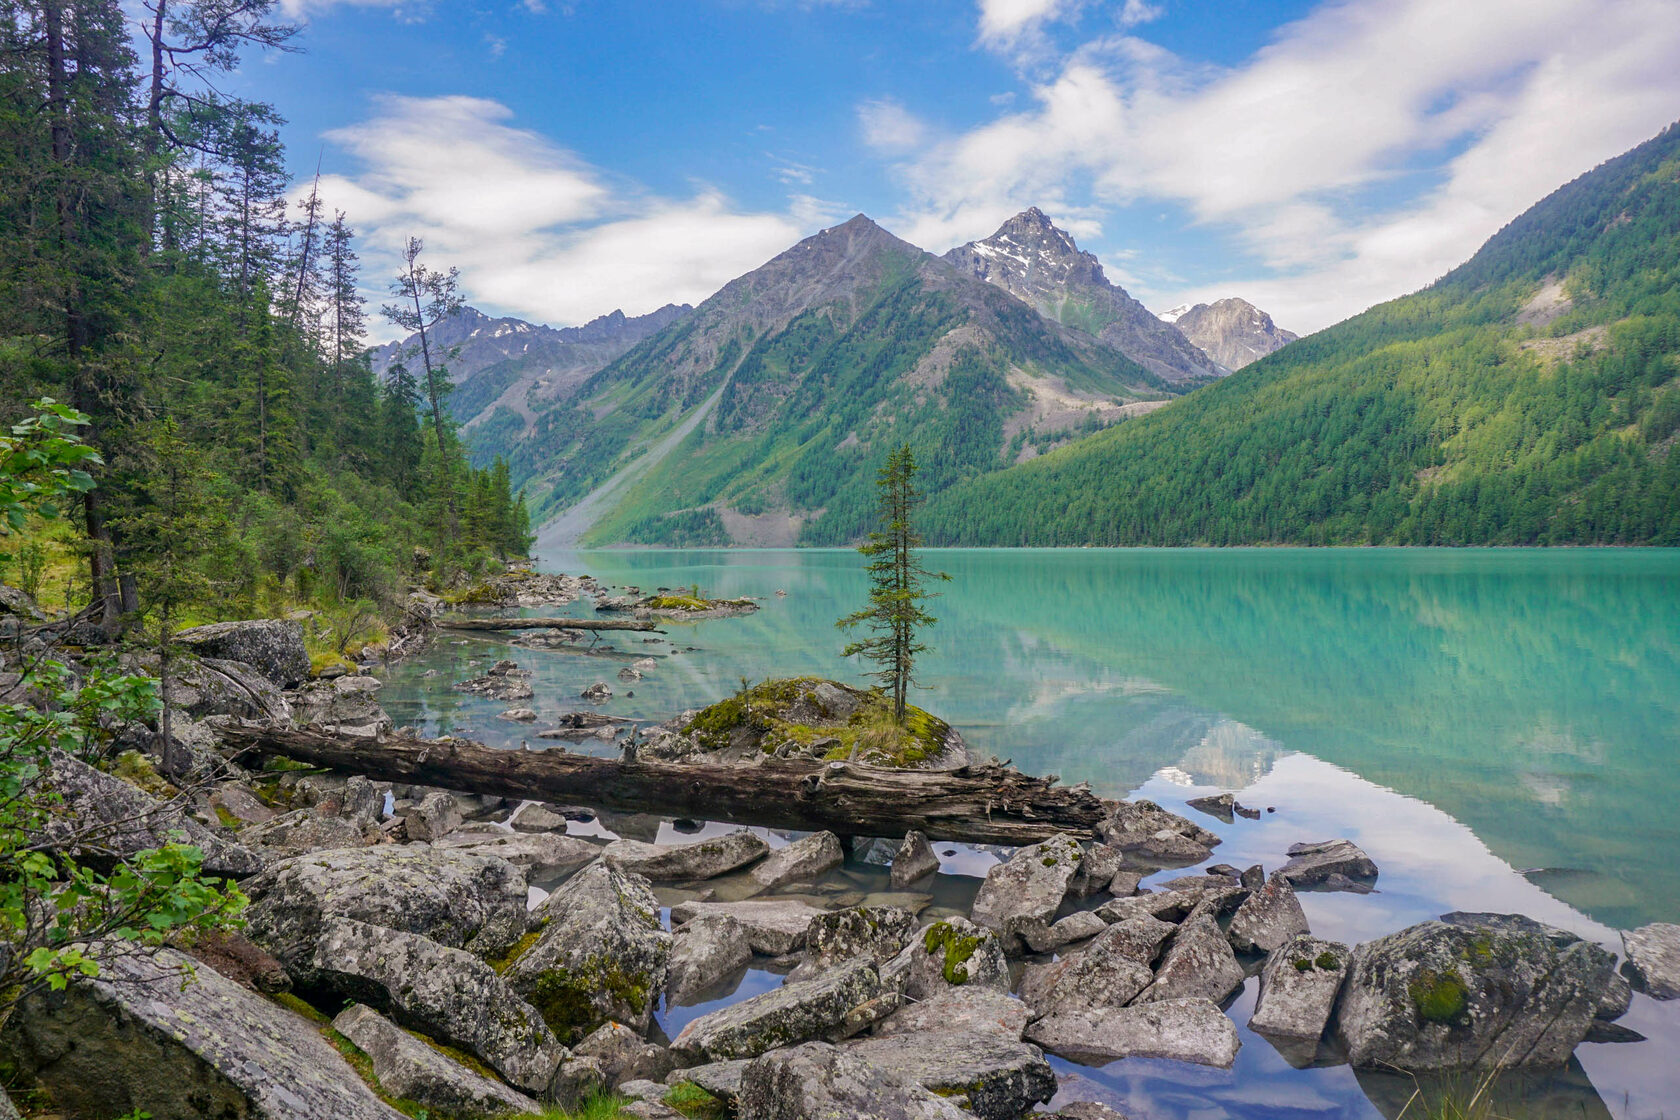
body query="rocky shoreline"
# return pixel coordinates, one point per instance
(483, 960)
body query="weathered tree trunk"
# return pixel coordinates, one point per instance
(546, 624)
(981, 804)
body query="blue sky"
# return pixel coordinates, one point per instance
(1313, 157)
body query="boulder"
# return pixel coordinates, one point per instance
(602, 954)
(1111, 972)
(954, 953)
(1442, 996)
(302, 831)
(829, 1008)
(774, 926)
(1097, 870)
(1026, 891)
(272, 646)
(624, 1055)
(212, 687)
(1168, 906)
(446, 993)
(409, 1069)
(1222, 806)
(873, 933)
(1151, 831)
(1298, 988)
(703, 859)
(454, 899)
(963, 1010)
(1183, 1030)
(241, 960)
(799, 862)
(1267, 918)
(115, 818)
(1077, 926)
(344, 705)
(139, 1039)
(539, 851)
(1318, 863)
(1653, 959)
(993, 1077)
(8, 1110)
(437, 815)
(707, 952)
(236, 806)
(1198, 963)
(720, 1079)
(817, 1081)
(914, 860)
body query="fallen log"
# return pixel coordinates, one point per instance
(547, 624)
(976, 804)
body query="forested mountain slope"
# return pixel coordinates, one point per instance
(1527, 397)
(807, 371)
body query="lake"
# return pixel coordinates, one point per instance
(1498, 729)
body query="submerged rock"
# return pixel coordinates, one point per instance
(702, 859)
(829, 1008)
(993, 1077)
(1184, 1030)
(1653, 959)
(706, 952)
(1298, 988)
(601, 955)
(817, 1081)
(410, 1069)
(1025, 892)
(138, 1038)
(1439, 996)
(913, 861)
(1335, 863)
(799, 862)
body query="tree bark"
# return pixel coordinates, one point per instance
(546, 624)
(979, 804)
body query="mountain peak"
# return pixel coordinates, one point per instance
(1232, 331)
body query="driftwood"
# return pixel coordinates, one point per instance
(547, 624)
(977, 804)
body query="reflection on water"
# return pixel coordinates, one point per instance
(1458, 713)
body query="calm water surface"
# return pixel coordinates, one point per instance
(1499, 729)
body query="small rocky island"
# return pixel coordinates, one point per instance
(411, 948)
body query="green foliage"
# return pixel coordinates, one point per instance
(896, 593)
(1443, 417)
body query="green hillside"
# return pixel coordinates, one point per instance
(1527, 397)
(800, 376)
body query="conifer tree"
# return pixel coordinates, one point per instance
(897, 584)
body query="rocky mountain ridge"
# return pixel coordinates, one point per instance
(1231, 331)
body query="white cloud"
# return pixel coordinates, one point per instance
(889, 127)
(402, 9)
(1283, 149)
(536, 231)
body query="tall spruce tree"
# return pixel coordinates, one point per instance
(897, 581)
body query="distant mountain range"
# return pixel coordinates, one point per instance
(766, 409)
(1530, 396)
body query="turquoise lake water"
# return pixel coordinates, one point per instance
(1499, 729)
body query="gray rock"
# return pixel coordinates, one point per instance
(410, 1069)
(1097, 870)
(437, 815)
(829, 1008)
(1298, 988)
(1198, 963)
(302, 831)
(454, 899)
(624, 1055)
(446, 993)
(539, 818)
(1618, 997)
(993, 1077)
(799, 862)
(272, 646)
(774, 926)
(1200, 883)
(1125, 883)
(964, 1010)
(1184, 1030)
(1439, 996)
(703, 859)
(1077, 926)
(602, 954)
(213, 687)
(914, 860)
(706, 952)
(1318, 863)
(720, 1079)
(539, 851)
(1111, 972)
(233, 802)
(1026, 891)
(519, 715)
(1653, 959)
(8, 1110)
(1146, 828)
(954, 953)
(1267, 918)
(872, 933)
(1222, 806)
(115, 818)
(348, 710)
(1170, 906)
(821, 1082)
(138, 1038)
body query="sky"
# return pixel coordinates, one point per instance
(1314, 158)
